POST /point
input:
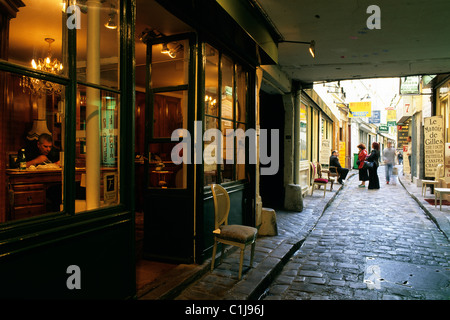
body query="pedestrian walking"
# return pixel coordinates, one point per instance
(374, 182)
(363, 174)
(389, 161)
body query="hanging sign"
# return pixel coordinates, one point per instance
(375, 118)
(360, 109)
(433, 144)
(409, 85)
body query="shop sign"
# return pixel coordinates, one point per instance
(110, 187)
(383, 128)
(409, 85)
(325, 152)
(402, 135)
(391, 123)
(375, 118)
(360, 109)
(433, 144)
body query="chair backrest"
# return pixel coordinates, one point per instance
(439, 171)
(313, 171)
(319, 169)
(221, 205)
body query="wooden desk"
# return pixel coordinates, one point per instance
(28, 190)
(440, 191)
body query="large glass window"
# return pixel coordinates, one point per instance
(36, 105)
(34, 146)
(225, 111)
(303, 133)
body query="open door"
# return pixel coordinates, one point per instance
(169, 188)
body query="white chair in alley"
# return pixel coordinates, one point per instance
(438, 174)
(234, 235)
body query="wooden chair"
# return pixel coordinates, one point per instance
(333, 175)
(438, 174)
(319, 181)
(235, 235)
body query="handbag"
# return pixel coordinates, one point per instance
(368, 164)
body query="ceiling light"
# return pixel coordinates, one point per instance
(111, 24)
(312, 46)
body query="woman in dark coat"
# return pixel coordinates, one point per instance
(363, 175)
(374, 182)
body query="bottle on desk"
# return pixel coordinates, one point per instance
(22, 160)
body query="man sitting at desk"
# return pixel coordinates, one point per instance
(334, 162)
(42, 151)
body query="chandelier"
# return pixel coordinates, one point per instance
(47, 64)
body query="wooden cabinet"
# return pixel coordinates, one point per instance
(27, 192)
(26, 200)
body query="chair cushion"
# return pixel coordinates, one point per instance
(321, 180)
(237, 233)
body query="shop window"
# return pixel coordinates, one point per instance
(226, 101)
(33, 127)
(98, 43)
(303, 133)
(37, 37)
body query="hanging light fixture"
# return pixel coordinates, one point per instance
(312, 46)
(47, 64)
(173, 50)
(111, 24)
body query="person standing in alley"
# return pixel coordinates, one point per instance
(363, 174)
(389, 160)
(334, 162)
(374, 182)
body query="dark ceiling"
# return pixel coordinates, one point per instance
(413, 39)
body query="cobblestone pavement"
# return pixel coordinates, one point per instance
(369, 245)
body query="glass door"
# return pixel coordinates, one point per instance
(169, 127)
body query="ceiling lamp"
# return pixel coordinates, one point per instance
(172, 52)
(111, 24)
(46, 64)
(312, 46)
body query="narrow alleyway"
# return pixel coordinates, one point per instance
(371, 245)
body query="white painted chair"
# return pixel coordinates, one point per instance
(438, 174)
(234, 235)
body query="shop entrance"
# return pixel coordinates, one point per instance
(168, 185)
